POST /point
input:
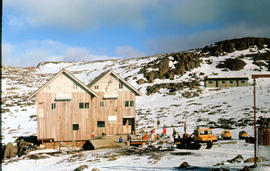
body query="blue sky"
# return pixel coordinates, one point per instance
(74, 30)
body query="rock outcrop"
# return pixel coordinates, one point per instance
(233, 64)
(161, 68)
(229, 46)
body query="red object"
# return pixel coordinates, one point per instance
(93, 136)
(164, 131)
(152, 131)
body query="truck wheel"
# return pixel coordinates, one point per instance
(209, 145)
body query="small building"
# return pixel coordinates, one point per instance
(68, 110)
(226, 81)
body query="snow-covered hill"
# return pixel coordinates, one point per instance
(228, 107)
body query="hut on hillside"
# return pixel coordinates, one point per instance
(225, 81)
(69, 110)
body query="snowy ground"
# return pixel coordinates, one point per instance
(234, 104)
(114, 159)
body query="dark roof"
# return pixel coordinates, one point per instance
(226, 78)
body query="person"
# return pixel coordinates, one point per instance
(164, 131)
(158, 123)
(153, 131)
(128, 137)
(174, 133)
(164, 123)
(145, 136)
(120, 139)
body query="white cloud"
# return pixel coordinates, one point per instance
(31, 52)
(199, 40)
(127, 51)
(80, 14)
(79, 54)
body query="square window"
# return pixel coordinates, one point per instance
(75, 127)
(53, 106)
(86, 106)
(100, 124)
(131, 103)
(126, 103)
(81, 105)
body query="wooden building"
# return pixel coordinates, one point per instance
(68, 110)
(226, 82)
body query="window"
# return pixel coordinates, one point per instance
(243, 81)
(100, 124)
(231, 81)
(120, 86)
(126, 103)
(96, 87)
(53, 106)
(75, 127)
(131, 103)
(101, 104)
(210, 82)
(84, 105)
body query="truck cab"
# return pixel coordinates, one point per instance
(204, 135)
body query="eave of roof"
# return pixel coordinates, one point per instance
(98, 78)
(63, 71)
(226, 78)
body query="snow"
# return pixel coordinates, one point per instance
(212, 105)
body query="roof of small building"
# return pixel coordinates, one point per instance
(63, 71)
(225, 78)
(98, 78)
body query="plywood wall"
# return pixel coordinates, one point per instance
(57, 123)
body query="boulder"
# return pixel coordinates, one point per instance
(151, 76)
(234, 64)
(141, 81)
(82, 167)
(170, 75)
(10, 150)
(238, 159)
(184, 165)
(164, 66)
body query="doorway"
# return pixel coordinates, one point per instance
(130, 122)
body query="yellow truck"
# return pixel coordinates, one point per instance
(197, 139)
(226, 134)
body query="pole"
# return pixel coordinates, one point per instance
(255, 134)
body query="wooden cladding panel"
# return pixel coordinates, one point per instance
(58, 123)
(114, 107)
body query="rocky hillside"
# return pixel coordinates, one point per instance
(171, 84)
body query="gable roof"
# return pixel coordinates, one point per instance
(98, 78)
(63, 71)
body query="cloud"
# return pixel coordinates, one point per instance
(31, 52)
(178, 43)
(127, 51)
(80, 15)
(79, 54)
